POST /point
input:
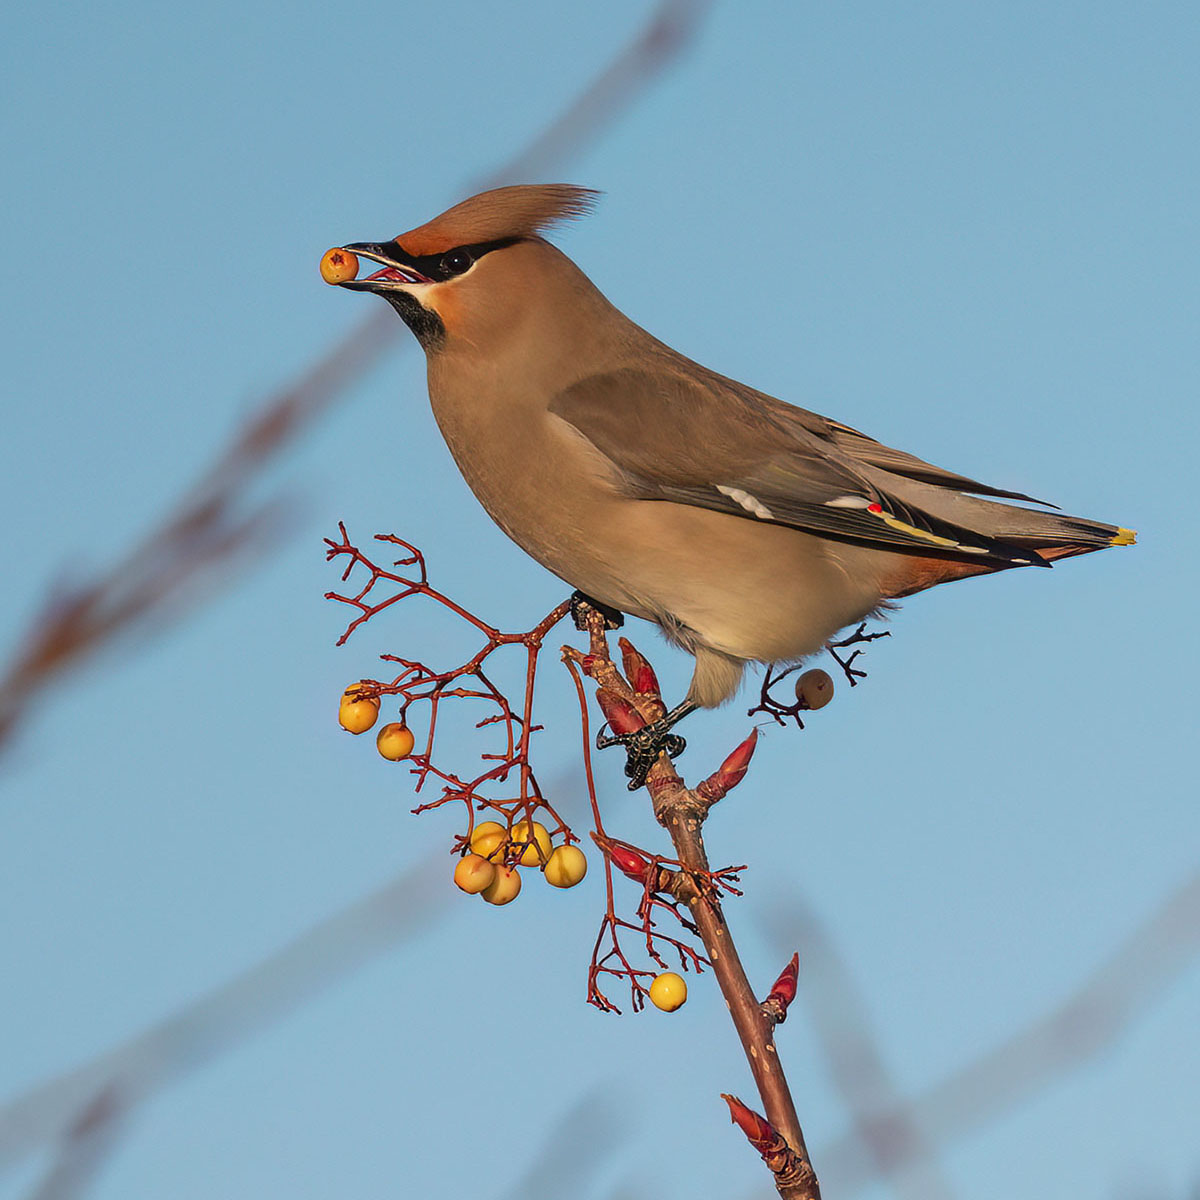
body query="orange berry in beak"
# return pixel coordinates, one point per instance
(338, 265)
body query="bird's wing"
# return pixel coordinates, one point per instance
(709, 442)
(861, 448)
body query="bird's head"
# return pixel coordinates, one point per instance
(466, 269)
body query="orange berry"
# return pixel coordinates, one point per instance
(473, 874)
(566, 866)
(356, 713)
(487, 837)
(338, 265)
(395, 741)
(814, 689)
(504, 888)
(537, 837)
(668, 991)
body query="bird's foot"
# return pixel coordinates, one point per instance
(852, 673)
(580, 606)
(643, 746)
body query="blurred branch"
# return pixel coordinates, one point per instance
(86, 1149)
(1089, 1021)
(665, 37)
(575, 1147)
(883, 1127)
(214, 1024)
(214, 524)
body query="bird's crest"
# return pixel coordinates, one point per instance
(506, 212)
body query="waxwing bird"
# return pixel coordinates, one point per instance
(748, 529)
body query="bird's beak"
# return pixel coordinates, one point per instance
(397, 273)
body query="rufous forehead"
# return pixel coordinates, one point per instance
(430, 239)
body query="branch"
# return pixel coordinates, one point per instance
(682, 811)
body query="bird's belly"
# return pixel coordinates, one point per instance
(754, 591)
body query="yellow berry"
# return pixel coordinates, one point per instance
(338, 265)
(566, 866)
(357, 713)
(488, 837)
(538, 838)
(668, 991)
(504, 887)
(814, 689)
(473, 874)
(395, 741)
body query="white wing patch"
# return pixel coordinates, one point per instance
(748, 502)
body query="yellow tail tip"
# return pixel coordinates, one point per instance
(1125, 537)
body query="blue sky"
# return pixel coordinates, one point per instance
(968, 230)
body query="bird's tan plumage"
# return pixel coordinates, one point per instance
(748, 529)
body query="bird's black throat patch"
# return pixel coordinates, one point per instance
(426, 325)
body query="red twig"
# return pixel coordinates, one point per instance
(418, 684)
(692, 884)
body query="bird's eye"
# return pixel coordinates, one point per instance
(456, 262)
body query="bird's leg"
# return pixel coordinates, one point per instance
(643, 746)
(579, 610)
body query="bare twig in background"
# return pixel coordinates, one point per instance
(246, 1005)
(667, 34)
(236, 1010)
(211, 527)
(575, 1147)
(215, 523)
(1089, 1021)
(900, 1150)
(86, 1149)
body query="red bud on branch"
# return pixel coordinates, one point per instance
(618, 712)
(638, 671)
(782, 992)
(629, 862)
(793, 1174)
(760, 1133)
(731, 772)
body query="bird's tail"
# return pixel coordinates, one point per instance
(1053, 535)
(1015, 536)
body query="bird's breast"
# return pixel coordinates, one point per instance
(543, 483)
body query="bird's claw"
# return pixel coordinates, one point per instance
(642, 748)
(581, 605)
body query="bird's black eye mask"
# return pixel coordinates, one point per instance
(439, 267)
(401, 267)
